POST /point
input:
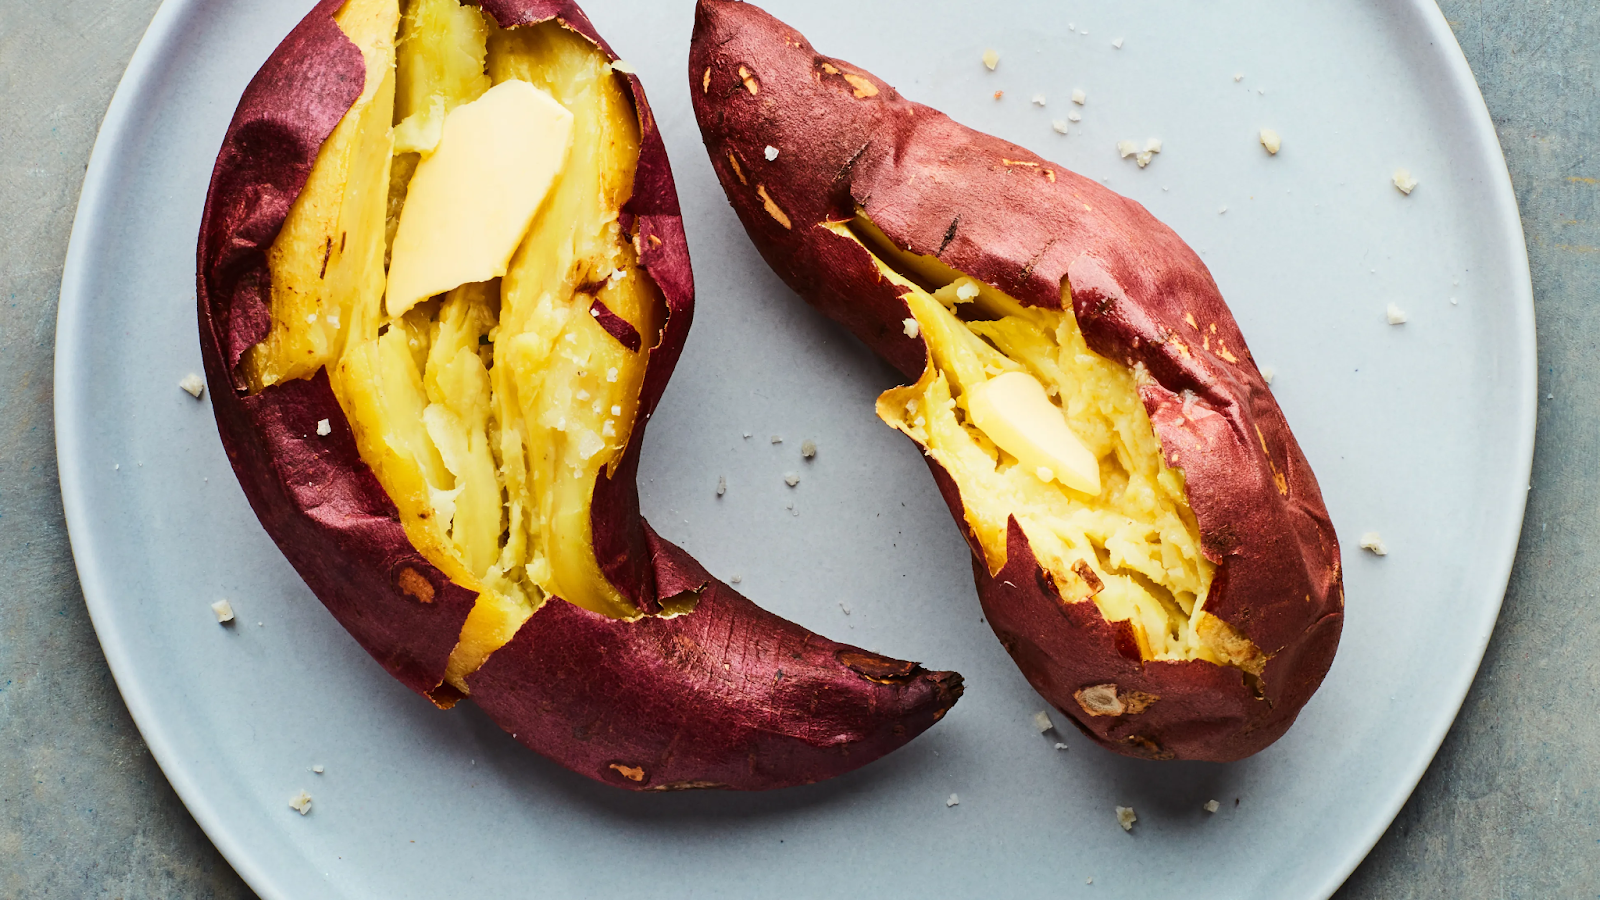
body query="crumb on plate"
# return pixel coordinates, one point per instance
(1126, 818)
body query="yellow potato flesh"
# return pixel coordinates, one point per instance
(1137, 532)
(487, 412)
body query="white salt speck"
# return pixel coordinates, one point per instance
(776, 439)
(1404, 181)
(1372, 542)
(318, 769)
(736, 579)
(772, 153)
(1060, 125)
(1268, 373)
(844, 608)
(808, 449)
(1060, 746)
(300, 802)
(1238, 77)
(1079, 97)
(193, 384)
(1041, 721)
(1454, 301)
(223, 610)
(791, 479)
(1395, 315)
(324, 427)
(1038, 99)
(991, 59)
(1117, 43)
(1074, 117)
(912, 328)
(1211, 806)
(953, 801)
(1222, 209)
(722, 485)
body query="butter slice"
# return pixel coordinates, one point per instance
(1013, 410)
(471, 202)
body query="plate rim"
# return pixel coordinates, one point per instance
(93, 198)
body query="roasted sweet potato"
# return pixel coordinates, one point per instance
(1149, 542)
(443, 281)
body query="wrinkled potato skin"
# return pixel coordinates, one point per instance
(725, 696)
(1141, 296)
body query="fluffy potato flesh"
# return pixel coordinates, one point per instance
(1134, 546)
(486, 412)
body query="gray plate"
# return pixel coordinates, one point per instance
(1422, 431)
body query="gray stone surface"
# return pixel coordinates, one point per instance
(1509, 809)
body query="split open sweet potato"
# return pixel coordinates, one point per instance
(443, 281)
(1149, 542)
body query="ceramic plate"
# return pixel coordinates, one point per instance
(1422, 432)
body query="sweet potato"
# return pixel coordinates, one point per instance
(1178, 595)
(455, 477)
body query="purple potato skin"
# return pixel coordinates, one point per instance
(725, 696)
(1141, 296)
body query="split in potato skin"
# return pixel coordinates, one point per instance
(488, 412)
(1137, 537)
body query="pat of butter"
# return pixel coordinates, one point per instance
(1013, 410)
(471, 202)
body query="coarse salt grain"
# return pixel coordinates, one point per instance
(1074, 117)
(912, 328)
(791, 479)
(1038, 99)
(300, 802)
(1079, 97)
(324, 427)
(1041, 721)
(193, 384)
(991, 59)
(1395, 315)
(223, 610)
(722, 485)
(1060, 126)
(1372, 542)
(736, 579)
(953, 801)
(772, 153)
(1126, 817)
(777, 439)
(318, 769)
(616, 410)
(1060, 746)
(808, 449)
(1211, 806)
(1117, 43)
(1268, 373)
(1238, 77)
(1405, 181)
(1271, 141)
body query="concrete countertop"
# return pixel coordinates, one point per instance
(1509, 809)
